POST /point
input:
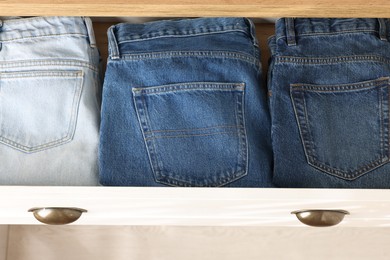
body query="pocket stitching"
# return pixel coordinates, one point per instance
(73, 119)
(183, 130)
(309, 147)
(242, 137)
(178, 136)
(160, 176)
(150, 145)
(206, 86)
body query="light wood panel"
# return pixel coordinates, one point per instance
(206, 243)
(3, 241)
(190, 8)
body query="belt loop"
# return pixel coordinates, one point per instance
(112, 43)
(1, 26)
(382, 29)
(252, 31)
(91, 34)
(290, 32)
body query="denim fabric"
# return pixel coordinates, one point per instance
(183, 105)
(329, 81)
(49, 112)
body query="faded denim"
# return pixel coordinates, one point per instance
(329, 82)
(183, 105)
(49, 112)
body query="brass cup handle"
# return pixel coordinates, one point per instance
(57, 215)
(320, 217)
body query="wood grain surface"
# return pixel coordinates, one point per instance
(190, 8)
(3, 241)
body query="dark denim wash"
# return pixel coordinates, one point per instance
(329, 81)
(183, 105)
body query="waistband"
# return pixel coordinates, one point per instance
(289, 28)
(24, 28)
(126, 33)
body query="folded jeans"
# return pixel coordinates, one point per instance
(329, 80)
(183, 105)
(49, 111)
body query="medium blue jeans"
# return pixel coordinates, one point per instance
(183, 105)
(329, 82)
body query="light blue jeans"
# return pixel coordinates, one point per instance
(184, 105)
(329, 80)
(49, 112)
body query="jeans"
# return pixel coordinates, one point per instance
(329, 87)
(183, 105)
(49, 112)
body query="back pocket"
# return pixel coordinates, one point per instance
(38, 109)
(194, 132)
(344, 128)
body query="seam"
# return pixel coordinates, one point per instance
(297, 117)
(330, 33)
(181, 36)
(34, 63)
(151, 92)
(348, 175)
(388, 124)
(181, 136)
(136, 102)
(39, 74)
(242, 136)
(157, 163)
(75, 107)
(41, 36)
(194, 129)
(192, 85)
(311, 150)
(366, 85)
(174, 181)
(381, 115)
(336, 89)
(208, 54)
(330, 60)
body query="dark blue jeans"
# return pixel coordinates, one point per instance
(183, 105)
(329, 81)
